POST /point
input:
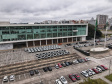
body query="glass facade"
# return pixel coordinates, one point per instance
(13, 33)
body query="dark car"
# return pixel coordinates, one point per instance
(70, 63)
(67, 64)
(72, 77)
(63, 64)
(36, 71)
(49, 68)
(45, 69)
(101, 68)
(31, 72)
(77, 76)
(79, 60)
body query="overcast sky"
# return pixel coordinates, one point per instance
(40, 10)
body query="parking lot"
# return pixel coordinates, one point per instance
(50, 77)
(19, 56)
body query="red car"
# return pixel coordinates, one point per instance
(71, 76)
(95, 70)
(77, 76)
(104, 67)
(59, 65)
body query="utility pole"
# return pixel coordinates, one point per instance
(109, 66)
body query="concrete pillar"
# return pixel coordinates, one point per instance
(46, 41)
(76, 39)
(40, 42)
(52, 41)
(62, 40)
(72, 39)
(57, 41)
(33, 43)
(26, 44)
(67, 40)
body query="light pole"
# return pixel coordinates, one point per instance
(109, 66)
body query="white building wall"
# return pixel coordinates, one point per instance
(6, 46)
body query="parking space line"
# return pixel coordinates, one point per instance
(25, 76)
(19, 77)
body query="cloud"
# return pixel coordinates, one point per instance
(40, 10)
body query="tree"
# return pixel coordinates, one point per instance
(91, 30)
(110, 27)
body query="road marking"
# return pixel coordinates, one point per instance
(25, 75)
(19, 77)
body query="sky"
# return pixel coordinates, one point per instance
(41, 10)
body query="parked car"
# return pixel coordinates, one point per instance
(75, 62)
(79, 60)
(95, 70)
(67, 64)
(77, 76)
(36, 71)
(63, 64)
(56, 66)
(104, 67)
(85, 74)
(70, 63)
(101, 68)
(89, 72)
(49, 68)
(71, 76)
(98, 69)
(31, 72)
(60, 66)
(45, 69)
(92, 71)
(5, 79)
(63, 80)
(12, 77)
(58, 81)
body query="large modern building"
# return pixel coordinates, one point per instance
(28, 35)
(102, 19)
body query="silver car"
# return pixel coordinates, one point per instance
(63, 80)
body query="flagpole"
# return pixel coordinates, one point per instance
(94, 38)
(95, 34)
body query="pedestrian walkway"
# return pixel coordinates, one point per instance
(106, 80)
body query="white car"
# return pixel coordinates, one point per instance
(5, 79)
(84, 73)
(58, 81)
(12, 77)
(98, 69)
(87, 58)
(63, 80)
(75, 62)
(92, 71)
(89, 72)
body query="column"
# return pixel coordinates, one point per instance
(46, 41)
(76, 39)
(57, 41)
(33, 43)
(67, 40)
(62, 40)
(72, 39)
(40, 42)
(52, 41)
(26, 44)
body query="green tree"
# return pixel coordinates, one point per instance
(110, 27)
(91, 30)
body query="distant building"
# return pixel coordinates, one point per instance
(92, 21)
(102, 19)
